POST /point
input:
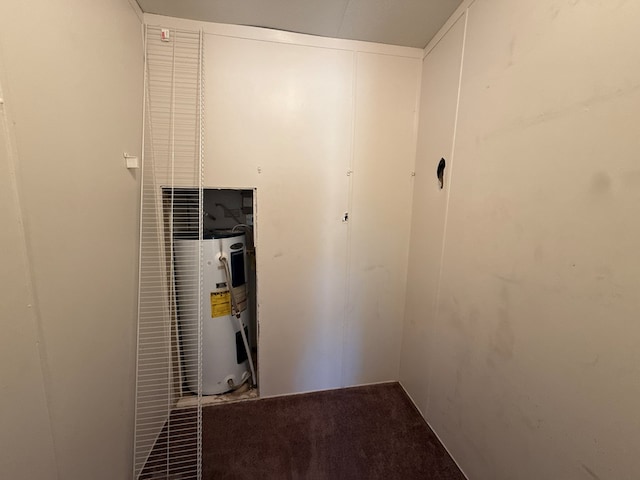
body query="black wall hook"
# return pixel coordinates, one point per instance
(440, 171)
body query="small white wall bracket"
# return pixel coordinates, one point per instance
(131, 161)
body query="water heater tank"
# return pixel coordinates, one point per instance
(225, 362)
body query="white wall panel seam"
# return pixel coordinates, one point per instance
(26, 253)
(416, 133)
(449, 184)
(137, 10)
(452, 20)
(412, 173)
(350, 173)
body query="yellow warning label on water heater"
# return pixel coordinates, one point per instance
(220, 304)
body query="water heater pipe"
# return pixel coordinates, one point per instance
(236, 313)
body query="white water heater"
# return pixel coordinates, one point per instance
(225, 360)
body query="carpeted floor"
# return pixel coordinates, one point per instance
(362, 433)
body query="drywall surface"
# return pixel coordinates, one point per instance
(438, 106)
(282, 114)
(280, 117)
(535, 360)
(73, 93)
(26, 444)
(320, 127)
(380, 215)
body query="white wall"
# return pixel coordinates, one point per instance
(292, 115)
(71, 78)
(522, 351)
(288, 110)
(26, 441)
(533, 365)
(438, 107)
(285, 109)
(384, 158)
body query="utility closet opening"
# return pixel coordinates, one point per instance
(213, 261)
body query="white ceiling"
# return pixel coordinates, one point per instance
(410, 23)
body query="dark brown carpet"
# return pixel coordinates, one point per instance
(371, 432)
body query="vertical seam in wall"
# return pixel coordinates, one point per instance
(45, 371)
(448, 25)
(416, 133)
(350, 173)
(137, 10)
(446, 213)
